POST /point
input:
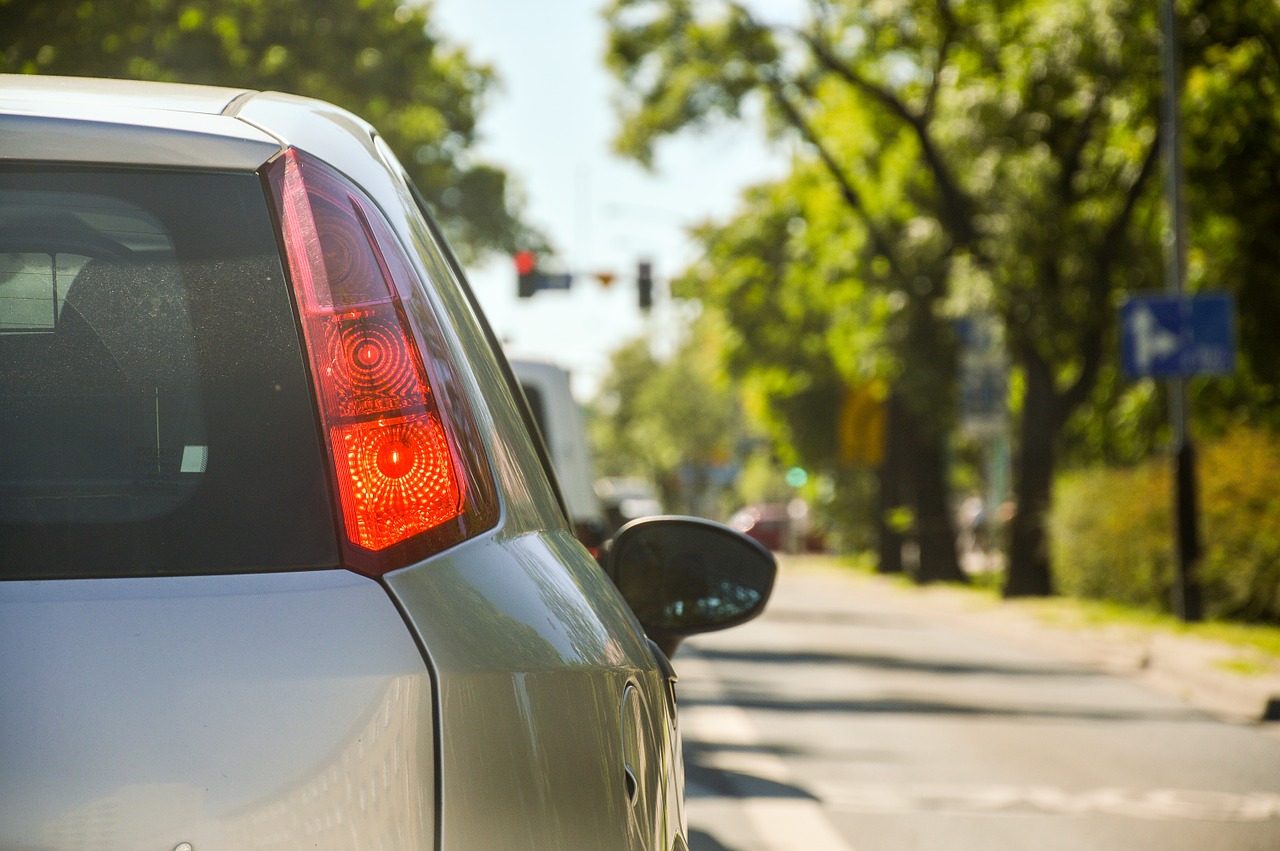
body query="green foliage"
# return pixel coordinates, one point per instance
(1113, 536)
(378, 58)
(669, 421)
(682, 68)
(1242, 525)
(1231, 110)
(1001, 157)
(1003, 146)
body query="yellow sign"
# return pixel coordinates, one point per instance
(860, 433)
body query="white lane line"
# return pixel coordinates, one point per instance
(781, 824)
(1151, 804)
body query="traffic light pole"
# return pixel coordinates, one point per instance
(1187, 600)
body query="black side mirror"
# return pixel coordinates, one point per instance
(686, 575)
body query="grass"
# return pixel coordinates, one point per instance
(1245, 666)
(1262, 641)
(1260, 638)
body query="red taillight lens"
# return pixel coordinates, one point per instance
(406, 484)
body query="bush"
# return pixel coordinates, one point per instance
(1241, 509)
(1112, 530)
(1110, 534)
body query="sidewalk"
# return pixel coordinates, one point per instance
(1203, 673)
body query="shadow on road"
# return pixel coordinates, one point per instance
(900, 705)
(891, 663)
(834, 617)
(700, 840)
(706, 781)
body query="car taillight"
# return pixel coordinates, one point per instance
(409, 473)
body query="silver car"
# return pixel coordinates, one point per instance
(280, 563)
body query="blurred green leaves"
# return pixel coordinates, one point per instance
(381, 59)
(1112, 530)
(971, 157)
(660, 419)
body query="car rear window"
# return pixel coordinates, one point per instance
(155, 412)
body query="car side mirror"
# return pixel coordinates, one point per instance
(686, 575)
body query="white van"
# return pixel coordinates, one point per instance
(564, 431)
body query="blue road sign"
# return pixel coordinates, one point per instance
(1167, 336)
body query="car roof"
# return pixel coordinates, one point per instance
(127, 122)
(88, 120)
(55, 95)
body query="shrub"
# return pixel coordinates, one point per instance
(1240, 477)
(1111, 536)
(1112, 532)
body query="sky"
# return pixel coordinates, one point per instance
(549, 124)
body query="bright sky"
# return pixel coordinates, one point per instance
(550, 126)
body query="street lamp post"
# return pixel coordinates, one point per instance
(1187, 600)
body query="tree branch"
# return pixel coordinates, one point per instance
(880, 243)
(949, 27)
(1115, 231)
(1091, 344)
(957, 207)
(1075, 151)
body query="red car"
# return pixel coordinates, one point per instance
(777, 527)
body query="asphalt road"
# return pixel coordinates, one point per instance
(848, 717)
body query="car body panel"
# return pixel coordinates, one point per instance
(554, 659)
(263, 710)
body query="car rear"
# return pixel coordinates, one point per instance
(279, 566)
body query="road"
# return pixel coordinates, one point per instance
(849, 719)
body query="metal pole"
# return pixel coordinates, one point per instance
(1186, 596)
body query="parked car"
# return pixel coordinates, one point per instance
(779, 526)
(625, 498)
(280, 564)
(560, 422)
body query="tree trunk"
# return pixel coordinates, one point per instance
(934, 527)
(1028, 574)
(890, 495)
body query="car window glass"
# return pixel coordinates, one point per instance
(154, 412)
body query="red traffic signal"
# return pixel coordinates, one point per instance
(526, 273)
(529, 279)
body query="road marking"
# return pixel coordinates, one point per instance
(1150, 804)
(779, 823)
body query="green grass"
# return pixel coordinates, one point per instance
(1245, 666)
(1072, 612)
(1069, 612)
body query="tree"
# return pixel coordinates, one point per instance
(669, 421)
(685, 63)
(1029, 130)
(1068, 214)
(1231, 111)
(379, 58)
(803, 326)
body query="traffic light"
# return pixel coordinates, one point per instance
(526, 274)
(644, 282)
(530, 279)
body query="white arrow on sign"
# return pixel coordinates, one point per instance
(1152, 340)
